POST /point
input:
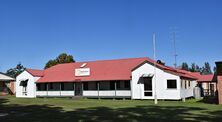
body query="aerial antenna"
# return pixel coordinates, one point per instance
(154, 57)
(175, 51)
(174, 46)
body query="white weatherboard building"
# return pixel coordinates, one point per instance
(122, 78)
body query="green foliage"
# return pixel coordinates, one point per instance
(206, 69)
(193, 67)
(185, 66)
(50, 63)
(198, 69)
(62, 58)
(14, 72)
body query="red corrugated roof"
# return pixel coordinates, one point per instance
(35, 72)
(119, 69)
(199, 77)
(206, 78)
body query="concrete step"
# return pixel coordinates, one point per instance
(77, 97)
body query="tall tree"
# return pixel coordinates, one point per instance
(206, 69)
(14, 72)
(193, 67)
(62, 58)
(185, 66)
(198, 69)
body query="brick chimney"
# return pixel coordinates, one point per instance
(219, 81)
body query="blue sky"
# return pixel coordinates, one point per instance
(32, 32)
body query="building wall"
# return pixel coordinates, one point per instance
(31, 86)
(7, 87)
(186, 89)
(161, 84)
(12, 86)
(219, 87)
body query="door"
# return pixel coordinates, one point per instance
(211, 89)
(24, 90)
(148, 87)
(78, 89)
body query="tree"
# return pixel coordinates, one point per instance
(62, 58)
(185, 66)
(206, 69)
(14, 72)
(50, 63)
(198, 69)
(193, 67)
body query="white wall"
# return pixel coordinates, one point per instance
(188, 90)
(161, 83)
(31, 86)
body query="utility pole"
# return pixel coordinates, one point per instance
(154, 57)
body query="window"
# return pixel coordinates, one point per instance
(185, 84)
(41, 87)
(62, 86)
(24, 90)
(211, 86)
(85, 85)
(67, 86)
(97, 85)
(148, 86)
(148, 94)
(112, 85)
(127, 84)
(24, 87)
(117, 84)
(189, 84)
(181, 84)
(50, 86)
(171, 84)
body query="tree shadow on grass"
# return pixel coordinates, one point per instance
(209, 100)
(34, 113)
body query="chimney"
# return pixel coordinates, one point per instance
(219, 81)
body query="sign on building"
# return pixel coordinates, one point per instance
(82, 72)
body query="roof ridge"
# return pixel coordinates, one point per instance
(103, 60)
(112, 59)
(34, 69)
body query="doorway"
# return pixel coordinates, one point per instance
(148, 91)
(78, 89)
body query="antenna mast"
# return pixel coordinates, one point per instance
(175, 51)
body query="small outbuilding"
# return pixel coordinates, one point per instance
(7, 84)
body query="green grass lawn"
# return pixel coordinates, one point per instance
(65, 109)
